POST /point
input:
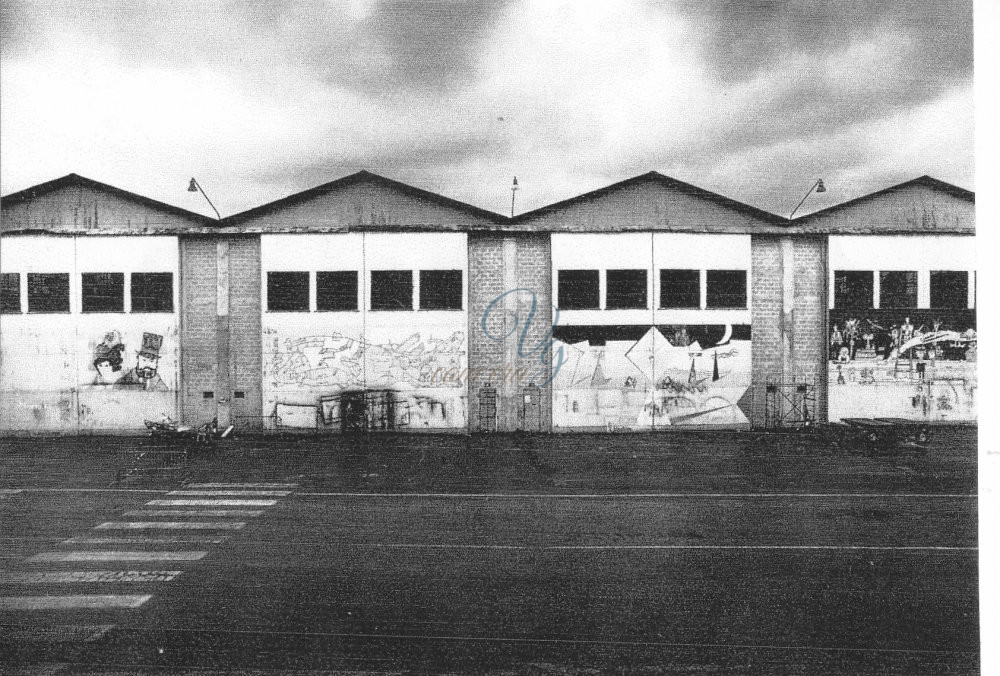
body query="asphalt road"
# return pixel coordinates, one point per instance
(697, 554)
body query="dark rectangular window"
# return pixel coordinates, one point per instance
(392, 290)
(949, 289)
(10, 293)
(680, 289)
(152, 292)
(853, 289)
(579, 289)
(440, 289)
(48, 292)
(626, 290)
(897, 289)
(726, 288)
(288, 292)
(337, 291)
(103, 292)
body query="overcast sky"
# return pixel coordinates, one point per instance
(754, 100)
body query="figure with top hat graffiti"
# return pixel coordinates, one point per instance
(144, 376)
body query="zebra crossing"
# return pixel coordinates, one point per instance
(110, 542)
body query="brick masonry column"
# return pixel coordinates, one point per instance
(198, 328)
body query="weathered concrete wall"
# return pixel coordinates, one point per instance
(408, 361)
(50, 380)
(82, 208)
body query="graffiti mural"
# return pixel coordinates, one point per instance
(339, 382)
(109, 358)
(669, 375)
(913, 364)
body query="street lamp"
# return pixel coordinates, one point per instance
(193, 186)
(513, 191)
(817, 186)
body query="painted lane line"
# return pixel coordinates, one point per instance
(53, 557)
(211, 503)
(91, 601)
(60, 633)
(171, 525)
(103, 576)
(195, 512)
(4, 492)
(245, 494)
(146, 540)
(889, 548)
(620, 496)
(247, 485)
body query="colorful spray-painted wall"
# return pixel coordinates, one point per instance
(91, 342)
(903, 339)
(387, 360)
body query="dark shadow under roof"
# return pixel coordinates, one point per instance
(361, 177)
(75, 180)
(666, 181)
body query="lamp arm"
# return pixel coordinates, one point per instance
(217, 216)
(803, 200)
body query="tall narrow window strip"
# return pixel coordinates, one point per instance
(897, 289)
(726, 289)
(626, 290)
(337, 291)
(680, 289)
(579, 289)
(949, 289)
(392, 290)
(854, 289)
(10, 293)
(152, 292)
(288, 292)
(440, 289)
(48, 292)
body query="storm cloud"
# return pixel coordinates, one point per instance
(751, 99)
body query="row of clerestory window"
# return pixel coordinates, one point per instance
(49, 292)
(337, 291)
(627, 290)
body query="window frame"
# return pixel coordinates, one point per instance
(696, 305)
(5, 294)
(870, 305)
(372, 295)
(68, 292)
(164, 302)
(460, 290)
(963, 302)
(914, 283)
(287, 273)
(321, 306)
(620, 294)
(563, 285)
(743, 302)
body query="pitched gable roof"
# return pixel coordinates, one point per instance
(665, 181)
(920, 181)
(362, 176)
(75, 180)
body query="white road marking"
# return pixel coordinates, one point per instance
(60, 633)
(247, 485)
(4, 492)
(222, 491)
(194, 512)
(146, 540)
(51, 557)
(621, 496)
(171, 525)
(92, 601)
(59, 577)
(890, 548)
(211, 503)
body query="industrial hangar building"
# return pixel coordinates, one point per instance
(367, 304)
